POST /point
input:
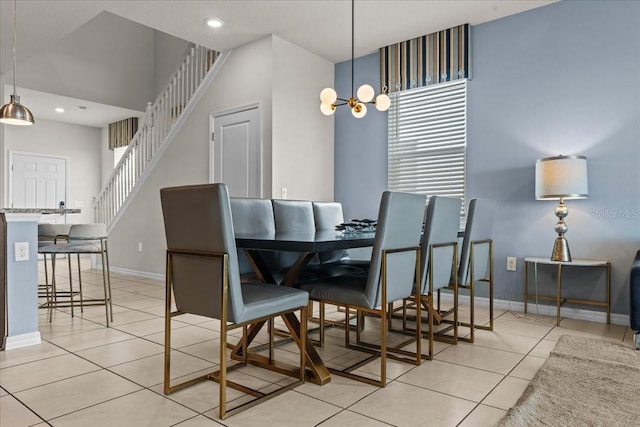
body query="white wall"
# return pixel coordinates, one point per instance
(168, 53)
(109, 60)
(302, 136)
(245, 79)
(277, 75)
(80, 143)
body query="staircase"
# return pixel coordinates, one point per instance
(163, 118)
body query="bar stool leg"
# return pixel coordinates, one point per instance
(70, 284)
(106, 283)
(54, 291)
(80, 285)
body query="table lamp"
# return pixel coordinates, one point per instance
(560, 178)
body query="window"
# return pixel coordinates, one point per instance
(427, 140)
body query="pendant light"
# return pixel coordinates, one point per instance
(357, 102)
(15, 113)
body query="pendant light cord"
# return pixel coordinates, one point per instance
(15, 31)
(352, 46)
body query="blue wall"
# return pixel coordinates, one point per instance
(561, 79)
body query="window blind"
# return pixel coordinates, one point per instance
(427, 140)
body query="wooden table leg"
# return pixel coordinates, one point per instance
(319, 374)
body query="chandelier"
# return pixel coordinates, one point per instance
(365, 95)
(15, 113)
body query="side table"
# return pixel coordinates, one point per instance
(558, 297)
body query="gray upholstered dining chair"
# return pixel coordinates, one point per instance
(83, 239)
(293, 216)
(439, 255)
(476, 259)
(202, 277)
(252, 215)
(395, 268)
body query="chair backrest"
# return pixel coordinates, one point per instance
(292, 216)
(326, 216)
(197, 218)
(442, 221)
(49, 232)
(253, 216)
(479, 227)
(399, 225)
(88, 231)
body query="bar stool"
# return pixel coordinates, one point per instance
(83, 239)
(50, 234)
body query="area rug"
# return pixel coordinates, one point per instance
(585, 382)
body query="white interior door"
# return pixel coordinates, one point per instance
(235, 152)
(38, 181)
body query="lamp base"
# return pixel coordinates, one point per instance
(561, 250)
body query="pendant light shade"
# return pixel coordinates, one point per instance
(15, 113)
(356, 101)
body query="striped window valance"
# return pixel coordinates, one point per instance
(122, 132)
(435, 58)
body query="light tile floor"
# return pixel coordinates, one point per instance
(84, 374)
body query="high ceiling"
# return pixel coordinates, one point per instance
(319, 26)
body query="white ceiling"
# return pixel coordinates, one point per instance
(319, 26)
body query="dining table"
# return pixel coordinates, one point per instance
(307, 245)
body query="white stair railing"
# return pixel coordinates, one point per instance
(153, 132)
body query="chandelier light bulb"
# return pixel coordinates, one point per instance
(365, 93)
(327, 109)
(383, 102)
(328, 96)
(359, 110)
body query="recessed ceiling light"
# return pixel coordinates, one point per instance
(82, 107)
(214, 22)
(59, 110)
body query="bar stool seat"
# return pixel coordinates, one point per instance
(83, 239)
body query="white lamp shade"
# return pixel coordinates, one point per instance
(327, 109)
(359, 114)
(383, 102)
(328, 96)
(562, 177)
(365, 93)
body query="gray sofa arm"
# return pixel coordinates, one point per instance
(634, 293)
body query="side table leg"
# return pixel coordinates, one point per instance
(526, 285)
(558, 297)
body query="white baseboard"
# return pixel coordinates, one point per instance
(544, 309)
(23, 340)
(518, 306)
(143, 274)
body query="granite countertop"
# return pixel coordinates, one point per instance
(43, 211)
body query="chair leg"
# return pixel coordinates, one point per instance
(80, 284)
(70, 284)
(106, 283)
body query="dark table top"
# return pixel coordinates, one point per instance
(319, 241)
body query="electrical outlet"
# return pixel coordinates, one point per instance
(511, 263)
(22, 251)
(284, 192)
(139, 246)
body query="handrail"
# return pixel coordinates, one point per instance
(151, 135)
